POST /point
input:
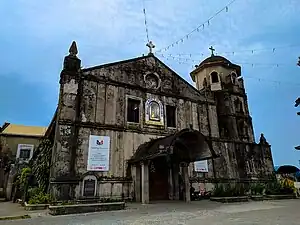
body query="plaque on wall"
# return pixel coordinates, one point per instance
(98, 155)
(154, 114)
(89, 188)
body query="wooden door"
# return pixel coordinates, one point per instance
(158, 179)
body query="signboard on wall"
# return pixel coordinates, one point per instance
(25, 151)
(98, 155)
(201, 166)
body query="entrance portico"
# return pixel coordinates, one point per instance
(160, 166)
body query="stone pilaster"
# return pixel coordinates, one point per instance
(176, 182)
(136, 177)
(62, 174)
(145, 182)
(170, 181)
(186, 179)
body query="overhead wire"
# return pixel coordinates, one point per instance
(254, 50)
(145, 19)
(181, 60)
(247, 77)
(186, 36)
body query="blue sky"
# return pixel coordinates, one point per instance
(35, 37)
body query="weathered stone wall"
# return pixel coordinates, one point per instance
(240, 161)
(94, 102)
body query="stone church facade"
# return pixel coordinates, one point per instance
(158, 125)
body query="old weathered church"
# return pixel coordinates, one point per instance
(134, 128)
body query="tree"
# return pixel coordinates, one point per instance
(4, 156)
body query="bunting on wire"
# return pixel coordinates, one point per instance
(252, 51)
(197, 29)
(249, 77)
(181, 60)
(146, 25)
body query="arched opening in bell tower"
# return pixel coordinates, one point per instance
(214, 77)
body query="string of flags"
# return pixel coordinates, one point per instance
(249, 77)
(197, 29)
(145, 18)
(181, 60)
(252, 51)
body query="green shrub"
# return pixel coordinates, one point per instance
(257, 188)
(229, 190)
(37, 196)
(273, 188)
(218, 191)
(25, 172)
(40, 198)
(33, 191)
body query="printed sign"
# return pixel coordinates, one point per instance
(98, 155)
(201, 166)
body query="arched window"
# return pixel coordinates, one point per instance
(154, 111)
(214, 77)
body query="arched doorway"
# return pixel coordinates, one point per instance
(159, 161)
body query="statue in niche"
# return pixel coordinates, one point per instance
(154, 111)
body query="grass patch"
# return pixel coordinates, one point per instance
(15, 217)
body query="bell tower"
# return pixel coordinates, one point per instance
(219, 77)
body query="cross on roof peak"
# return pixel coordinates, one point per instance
(151, 46)
(212, 50)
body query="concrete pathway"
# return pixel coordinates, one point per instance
(284, 212)
(10, 209)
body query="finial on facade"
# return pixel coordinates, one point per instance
(151, 46)
(262, 139)
(212, 50)
(73, 49)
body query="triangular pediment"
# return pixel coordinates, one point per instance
(148, 73)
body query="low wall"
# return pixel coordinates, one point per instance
(109, 188)
(85, 208)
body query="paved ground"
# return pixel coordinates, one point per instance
(284, 212)
(9, 209)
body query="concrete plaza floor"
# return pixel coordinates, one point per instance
(283, 212)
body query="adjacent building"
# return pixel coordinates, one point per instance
(17, 143)
(20, 140)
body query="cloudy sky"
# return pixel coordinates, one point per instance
(36, 35)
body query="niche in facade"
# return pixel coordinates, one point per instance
(154, 114)
(89, 186)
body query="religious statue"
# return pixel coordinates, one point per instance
(154, 111)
